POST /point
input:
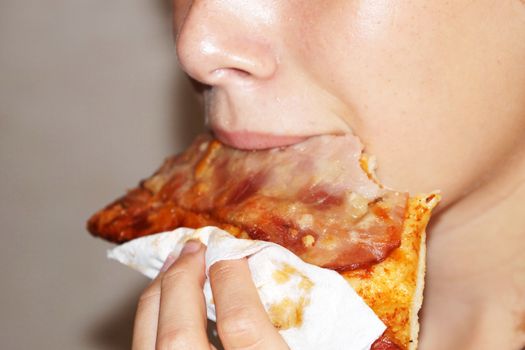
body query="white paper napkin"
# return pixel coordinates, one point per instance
(315, 308)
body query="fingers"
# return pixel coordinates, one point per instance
(242, 321)
(145, 327)
(171, 312)
(182, 316)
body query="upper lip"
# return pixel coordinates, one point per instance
(252, 140)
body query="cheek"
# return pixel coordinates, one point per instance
(417, 90)
(445, 107)
(376, 63)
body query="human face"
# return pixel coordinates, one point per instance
(435, 89)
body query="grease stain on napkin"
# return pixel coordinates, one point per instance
(313, 308)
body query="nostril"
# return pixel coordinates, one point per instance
(236, 71)
(229, 73)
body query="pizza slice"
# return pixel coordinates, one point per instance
(318, 198)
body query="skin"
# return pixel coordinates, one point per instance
(435, 89)
(171, 313)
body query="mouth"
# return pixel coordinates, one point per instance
(248, 140)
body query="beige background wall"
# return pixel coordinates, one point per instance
(90, 102)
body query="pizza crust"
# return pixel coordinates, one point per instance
(394, 287)
(418, 295)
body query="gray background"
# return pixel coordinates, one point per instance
(91, 101)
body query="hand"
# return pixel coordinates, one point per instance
(171, 312)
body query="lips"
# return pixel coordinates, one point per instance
(248, 140)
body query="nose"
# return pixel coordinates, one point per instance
(223, 42)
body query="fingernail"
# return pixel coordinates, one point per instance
(191, 246)
(169, 261)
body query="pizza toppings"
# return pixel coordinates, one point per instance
(384, 343)
(312, 198)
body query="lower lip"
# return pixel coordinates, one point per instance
(253, 140)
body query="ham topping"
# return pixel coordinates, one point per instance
(313, 198)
